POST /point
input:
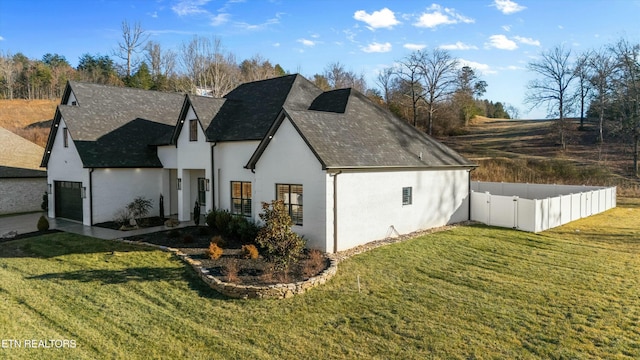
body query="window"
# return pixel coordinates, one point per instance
(202, 195)
(406, 196)
(65, 137)
(241, 198)
(291, 195)
(193, 130)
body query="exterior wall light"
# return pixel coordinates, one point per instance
(207, 186)
(83, 192)
(179, 184)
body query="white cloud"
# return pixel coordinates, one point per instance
(219, 19)
(414, 46)
(479, 67)
(189, 7)
(153, 14)
(306, 42)
(527, 41)
(506, 28)
(384, 18)
(501, 42)
(1, 38)
(377, 47)
(436, 15)
(508, 7)
(458, 46)
(276, 44)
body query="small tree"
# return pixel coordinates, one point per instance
(139, 208)
(282, 246)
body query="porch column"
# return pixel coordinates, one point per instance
(184, 195)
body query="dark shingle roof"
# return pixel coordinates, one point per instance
(8, 172)
(252, 108)
(114, 126)
(365, 136)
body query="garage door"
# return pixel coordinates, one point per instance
(68, 200)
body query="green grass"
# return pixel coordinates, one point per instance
(471, 292)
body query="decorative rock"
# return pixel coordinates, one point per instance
(9, 235)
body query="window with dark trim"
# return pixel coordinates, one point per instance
(202, 194)
(65, 137)
(407, 198)
(291, 195)
(241, 198)
(193, 130)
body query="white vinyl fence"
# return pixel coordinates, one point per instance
(535, 207)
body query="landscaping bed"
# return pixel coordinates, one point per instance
(232, 267)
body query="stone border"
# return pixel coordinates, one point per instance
(238, 291)
(285, 291)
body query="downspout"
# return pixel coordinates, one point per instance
(469, 192)
(91, 196)
(213, 178)
(335, 211)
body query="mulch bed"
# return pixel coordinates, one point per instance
(232, 267)
(146, 222)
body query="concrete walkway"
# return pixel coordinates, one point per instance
(28, 223)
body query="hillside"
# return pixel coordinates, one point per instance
(16, 116)
(528, 151)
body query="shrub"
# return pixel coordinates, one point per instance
(213, 252)
(187, 239)
(139, 208)
(248, 231)
(218, 240)
(203, 230)
(231, 270)
(43, 224)
(122, 217)
(282, 246)
(314, 264)
(249, 251)
(210, 219)
(174, 233)
(223, 218)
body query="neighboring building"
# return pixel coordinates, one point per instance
(22, 183)
(363, 173)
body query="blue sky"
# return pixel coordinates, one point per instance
(496, 37)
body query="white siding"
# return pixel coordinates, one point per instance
(168, 156)
(230, 159)
(288, 160)
(370, 203)
(65, 165)
(113, 189)
(191, 155)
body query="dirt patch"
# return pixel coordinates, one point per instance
(231, 266)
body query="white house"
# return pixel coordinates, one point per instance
(349, 171)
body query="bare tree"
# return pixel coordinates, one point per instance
(628, 84)
(602, 68)
(257, 68)
(555, 75)
(8, 73)
(340, 78)
(384, 81)
(208, 68)
(409, 72)
(133, 39)
(583, 76)
(438, 70)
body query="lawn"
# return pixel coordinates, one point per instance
(473, 292)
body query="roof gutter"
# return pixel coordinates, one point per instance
(396, 168)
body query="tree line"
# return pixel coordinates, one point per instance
(598, 85)
(428, 89)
